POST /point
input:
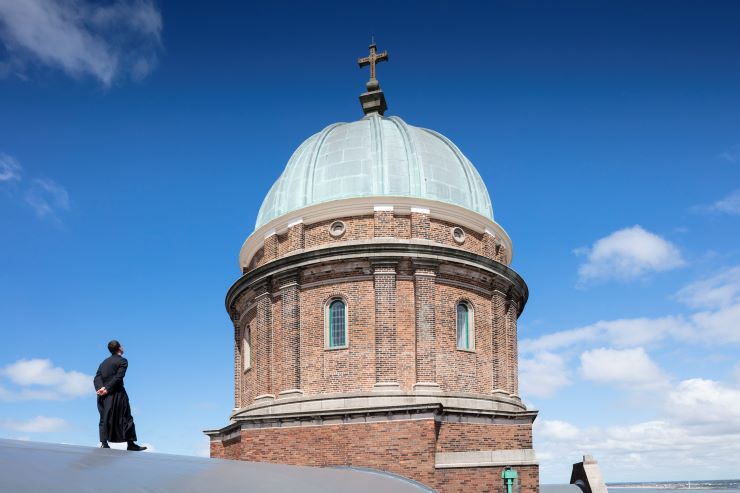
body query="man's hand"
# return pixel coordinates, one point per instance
(102, 391)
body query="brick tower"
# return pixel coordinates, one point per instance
(375, 321)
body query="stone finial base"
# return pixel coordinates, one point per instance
(373, 102)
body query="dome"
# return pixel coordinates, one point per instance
(376, 156)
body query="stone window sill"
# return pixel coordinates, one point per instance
(327, 348)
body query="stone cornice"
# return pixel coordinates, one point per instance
(392, 411)
(505, 278)
(347, 402)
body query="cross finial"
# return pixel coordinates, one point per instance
(373, 101)
(373, 58)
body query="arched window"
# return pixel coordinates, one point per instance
(336, 324)
(247, 348)
(465, 327)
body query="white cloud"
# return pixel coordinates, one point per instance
(717, 291)
(626, 367)
(731, 155)
(39, 379)
(628, 254)
(621, 333)
(83, 37)
(39, 424)
(10, 169)
(47, 197)
(721, 326)
(542, 375)
(559, 340)
(697, 428)
(701, 402)
(556, 430)
(728, 205)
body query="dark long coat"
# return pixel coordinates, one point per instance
(116, 422)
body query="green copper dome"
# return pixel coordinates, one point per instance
(376, 157)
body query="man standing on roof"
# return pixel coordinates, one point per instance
(116, 422)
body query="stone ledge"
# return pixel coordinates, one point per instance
(485, 458)
(382, 398)
(395, 410)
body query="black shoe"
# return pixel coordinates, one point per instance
(104, 445)
(135, 448)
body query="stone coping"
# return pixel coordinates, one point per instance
(356, 401)
(485, 458)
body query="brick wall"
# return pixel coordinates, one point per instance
(458, 370)
(441, 232)
(356, 228)
(401, 328)
(464, 437)
(405, 447)
(338, 370)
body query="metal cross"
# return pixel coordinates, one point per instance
(372, 59)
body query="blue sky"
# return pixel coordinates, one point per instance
(137, 140)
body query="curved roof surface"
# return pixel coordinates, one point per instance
(376, 156)
(34, 467)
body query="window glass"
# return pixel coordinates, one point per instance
(337, 324)
(463, 326)
(247, 348)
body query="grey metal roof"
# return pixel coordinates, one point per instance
(43, 467)
(560, 488)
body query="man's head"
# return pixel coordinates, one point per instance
(115, 347)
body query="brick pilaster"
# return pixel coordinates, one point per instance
(270, 248)
(290, 325)
(420, 224)
(263, 339)
(295, 237)
(425, 303)
(237, 364)
(512, 358)
(489, 245)
(384, 225)
(498, 341)
(501, 253)
(386, 365)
